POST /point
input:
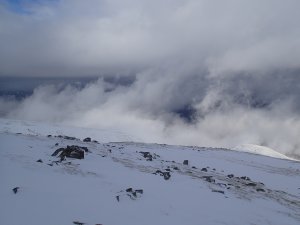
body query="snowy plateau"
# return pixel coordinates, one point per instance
(118, 181)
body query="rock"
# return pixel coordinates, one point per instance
(209, 179)
(40, 161)
(66, 137)
(245, 178)
(204, 169)
(260, 189)
(78, 223)
(218, 191)
(88, 139)
(166, 175)
(230, 175)
(251, 184)
(56, 144)
(131, 193)
(194, 167)
(72, 151)
(49, 135)
(147, 155)
(186, 162)
(15, 190)
(175, 168)
(57, 151)
(140, 191)
(95, 141)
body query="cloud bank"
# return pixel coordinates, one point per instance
(212, 73)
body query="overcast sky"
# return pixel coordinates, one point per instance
(75, 37)
(220, 72)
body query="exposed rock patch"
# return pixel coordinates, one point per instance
(72, 151)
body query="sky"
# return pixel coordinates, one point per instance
(201, 72)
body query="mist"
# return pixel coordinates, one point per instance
(207, 73)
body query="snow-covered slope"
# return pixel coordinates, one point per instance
(44, 129)
(261, 150)
(217, 186)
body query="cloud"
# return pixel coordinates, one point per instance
(214, 73)
(59, 38)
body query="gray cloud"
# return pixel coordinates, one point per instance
(94, 37)
(217, 73)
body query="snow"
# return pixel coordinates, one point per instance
(44, 129)
(85, 190)
(261, 150)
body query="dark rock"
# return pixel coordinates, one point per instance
(230, 175)
(140, 191)
(56, 144)
(95, 141)
(40, 161)
(260, 189)
(168, 169)
(57, 151)
(118, 198)
(129, 190)
(175, 168)
(166, 175)
(147, 155)
(245, 178)
(88, 139)
(15, 190)
(72, 151)
(70, 138)
(84, 148)
(194, 167)
(251, 184)
(185, 162)
(204, 169)
(78, 223)
(218, 191)
(66, 137)
(49, 135)
(50, 164)
(209, 179)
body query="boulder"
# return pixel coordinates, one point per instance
(72, 151)
(88, 139)
(15, 190)
(166, 175)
